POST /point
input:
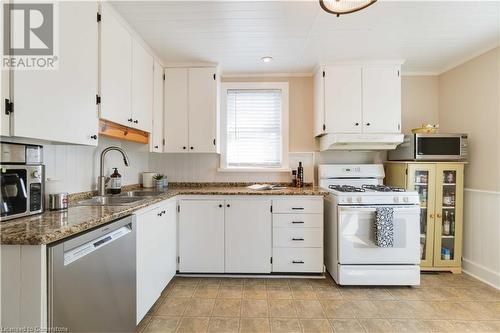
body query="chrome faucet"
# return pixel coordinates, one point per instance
(102, 180)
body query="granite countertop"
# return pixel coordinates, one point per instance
(52, 226)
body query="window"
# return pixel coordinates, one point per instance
(254, 126)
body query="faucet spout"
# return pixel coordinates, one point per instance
(101, 181)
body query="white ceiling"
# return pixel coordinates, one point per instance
(432, 36)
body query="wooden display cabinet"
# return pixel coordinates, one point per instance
(440, 186)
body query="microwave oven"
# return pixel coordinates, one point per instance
(431, 147)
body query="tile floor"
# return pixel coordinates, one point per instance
(442, 303)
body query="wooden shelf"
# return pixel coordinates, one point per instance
(120, 132)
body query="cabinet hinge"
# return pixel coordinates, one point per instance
(97, 99)
(399, 127)
(324, 127)
(178, 260)
(9, 106)
(398, 72)
(323, 73)
(271, 209)
(214, 142)
(214, 76)
(163, 142)
(406, 171)
(99, 18)
(163, 77)
(271, 260)
(179, 208)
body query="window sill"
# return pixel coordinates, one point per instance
(261, 170)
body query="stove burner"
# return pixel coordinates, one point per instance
(346, 188)
(383, 188)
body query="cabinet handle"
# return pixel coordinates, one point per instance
(220, 206)
(298, 222)
(368, 124)
(438, 216)
(431, 216)
(297, 239)
(130, 120)
(156, 147)
(297, 262)
(228, 205)
(192, 148)
(297, 208)
(356, 124)
(160, 214)
(184, 147)
(93, 137)
(136, 121)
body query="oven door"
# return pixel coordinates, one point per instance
(356, 236)
(438, 147)
(13, 192)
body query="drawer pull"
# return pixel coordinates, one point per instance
(297, 239)
(298, 222)
(297, 262)
(297, 208)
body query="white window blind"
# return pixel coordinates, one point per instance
(254, 128)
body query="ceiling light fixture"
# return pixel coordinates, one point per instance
(341, 7)
(266, 59)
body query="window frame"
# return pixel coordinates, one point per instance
(283, 86)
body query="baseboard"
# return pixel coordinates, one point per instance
(481, 273)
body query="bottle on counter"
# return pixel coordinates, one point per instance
(294, 178)
(300, 175)
(115, 182)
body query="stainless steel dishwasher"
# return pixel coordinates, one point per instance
(92, 280)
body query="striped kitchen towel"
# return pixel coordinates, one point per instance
(384, 227)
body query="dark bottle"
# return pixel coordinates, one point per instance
(300, 175)
(294, 178)
(115, 182)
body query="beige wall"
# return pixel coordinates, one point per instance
(300, 109)
(469, 102)
(419, 101)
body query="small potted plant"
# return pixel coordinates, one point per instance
(158, 179)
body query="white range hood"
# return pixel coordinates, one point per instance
(365, 142)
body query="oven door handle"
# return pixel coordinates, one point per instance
(374, 209)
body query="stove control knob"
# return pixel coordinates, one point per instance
(359, 199)
(396, 199)
(405, 199)
(35, 174)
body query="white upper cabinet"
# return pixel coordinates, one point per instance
(142, 88)
(116, 70)
(60, 105)
(191, 110)
(176, 110)
(351, 99)
(381, 99)
(156, 138)
(343, 111)
(202, 109)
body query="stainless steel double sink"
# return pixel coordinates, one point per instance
(123, 199)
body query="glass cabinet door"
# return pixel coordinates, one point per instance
(421, 178)
(448, 226)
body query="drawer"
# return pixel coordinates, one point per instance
(298, 220)
(297, 237)
(302, 260)
(313, 205)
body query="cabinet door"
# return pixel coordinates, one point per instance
(319, 103)
(449, 206)
(169, 245)
(202, 110)
(116, 70)
(176, 110)
(142, 88)
(421, 178)
(149, 261)
(201, 236)
(60, 105)
(343, 99)
(381, 99)
(156, 138)
(248, 236)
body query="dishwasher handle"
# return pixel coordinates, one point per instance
(95, 244)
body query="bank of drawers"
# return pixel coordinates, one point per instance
(298, 235)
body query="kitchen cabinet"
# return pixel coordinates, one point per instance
(115, 69)
(142, 88)
(357, 98)
(126, 79)
(155, 253)
(440, 187)
(60, 105)
(4, 99)
(298, 235)
(247, 236)
(225, 236)
(191, 110)
(156, 138)
(201, 236)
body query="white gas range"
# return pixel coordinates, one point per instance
(352, 256)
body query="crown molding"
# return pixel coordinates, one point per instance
(245, 75)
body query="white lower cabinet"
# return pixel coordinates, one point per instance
(298, 235)
(201, 236)
(156, 253)
(225, 236)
